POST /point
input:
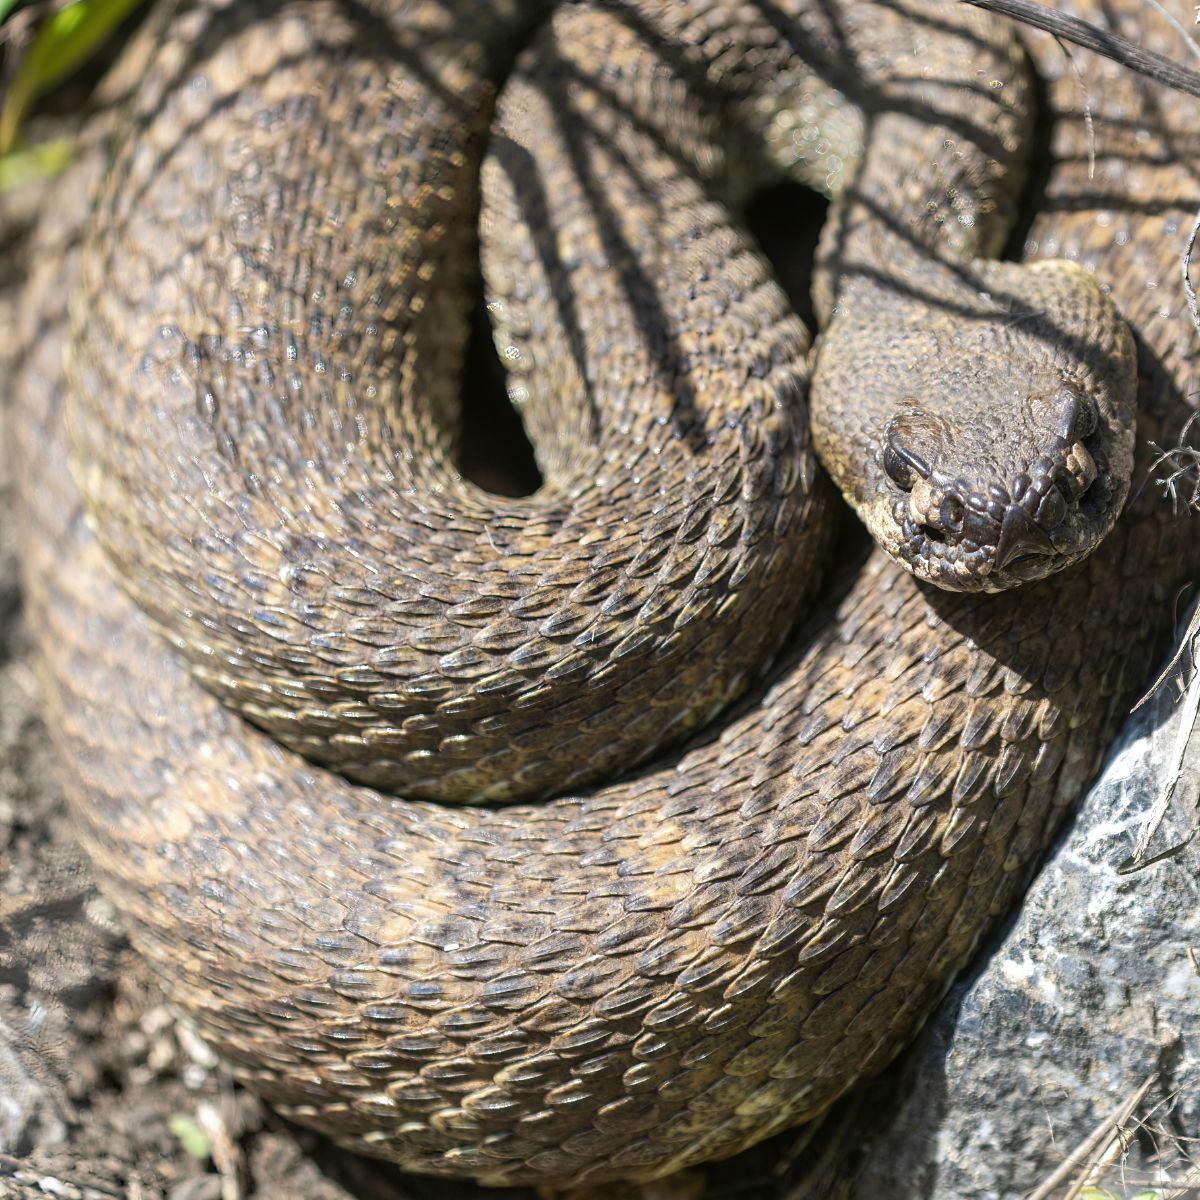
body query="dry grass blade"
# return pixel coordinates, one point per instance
(1088, 122)
(1188, 290)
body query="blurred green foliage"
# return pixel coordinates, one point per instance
(62, 42)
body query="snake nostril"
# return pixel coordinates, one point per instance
(948, 521)
(951, 514)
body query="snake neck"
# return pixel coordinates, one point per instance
(935, 222)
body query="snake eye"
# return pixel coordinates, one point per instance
(902, 465)
(1077, 414)
(1086, 419)
(899, 469)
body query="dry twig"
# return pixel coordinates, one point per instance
(1102, 41)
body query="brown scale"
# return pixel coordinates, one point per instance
(655, 972)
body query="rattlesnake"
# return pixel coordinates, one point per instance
(631, 976)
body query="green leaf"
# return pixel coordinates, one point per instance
(35, 162)
(64, 41)
(191, 1137)
(6, 6)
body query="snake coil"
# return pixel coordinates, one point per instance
(268, 315)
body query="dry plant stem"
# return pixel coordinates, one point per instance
(1191, 708)
(1183, 463)
(1093, 1149)
(1111, 45)
(1188, 289)
(226, 1155)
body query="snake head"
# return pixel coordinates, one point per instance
(999, 448)
(974, 520)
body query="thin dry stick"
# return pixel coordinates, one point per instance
(1079, 1160)
(1181, 460)
(1188, 290)
(1092, 37)
(1174, 768)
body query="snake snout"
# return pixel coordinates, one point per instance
(1035, 523)
(1021, 537)
(971, 519)
(954, 526)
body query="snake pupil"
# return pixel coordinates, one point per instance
(898, 469)
(1086, 421)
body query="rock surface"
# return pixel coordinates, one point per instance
(1092, 993)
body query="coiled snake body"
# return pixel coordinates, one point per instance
(631, 976)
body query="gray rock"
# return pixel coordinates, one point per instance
(1091, 994)
(33, 1108)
